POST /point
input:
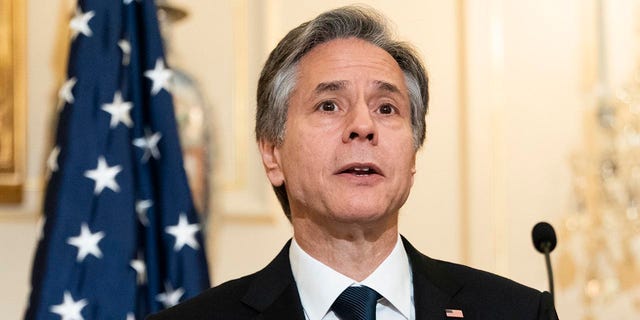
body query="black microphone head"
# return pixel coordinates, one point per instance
(542, 234)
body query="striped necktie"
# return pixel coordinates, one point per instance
(356, 303)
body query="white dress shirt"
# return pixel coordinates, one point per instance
(319, 285)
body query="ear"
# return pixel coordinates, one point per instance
(413, 168)
(271, 161)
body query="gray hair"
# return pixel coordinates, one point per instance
(278, 77)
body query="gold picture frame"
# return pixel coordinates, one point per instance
(12, 100)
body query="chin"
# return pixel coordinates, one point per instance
(360, 214)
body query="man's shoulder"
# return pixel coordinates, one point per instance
(240, 298)
(226, 292)
(487, 295)
(455, 277)
(479, 293)
(223, 301)
(476, 279)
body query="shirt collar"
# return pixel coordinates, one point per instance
(319, 285)
(393, 280)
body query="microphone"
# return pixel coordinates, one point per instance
(544, 240)
(544, 237)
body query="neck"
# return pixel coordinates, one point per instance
(351, 249)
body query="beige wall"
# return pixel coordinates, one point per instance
(511, 82)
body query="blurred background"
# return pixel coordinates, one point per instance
(534, 116)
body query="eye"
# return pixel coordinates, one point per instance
(328, 106)
(386, 109)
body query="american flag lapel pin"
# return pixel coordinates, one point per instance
(453, 313)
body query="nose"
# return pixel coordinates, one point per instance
(360, 125)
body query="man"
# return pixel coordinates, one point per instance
(341, 115)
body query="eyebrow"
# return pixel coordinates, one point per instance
(330, 86)
(386, 86)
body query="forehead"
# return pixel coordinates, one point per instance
(350, 60)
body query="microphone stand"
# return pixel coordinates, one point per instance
(547, 258)
(546, 247)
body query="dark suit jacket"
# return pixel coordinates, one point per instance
(271, 293)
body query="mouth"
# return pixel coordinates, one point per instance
(360, 170)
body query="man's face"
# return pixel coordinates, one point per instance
(347, 154)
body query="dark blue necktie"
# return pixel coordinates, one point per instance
(356, 303)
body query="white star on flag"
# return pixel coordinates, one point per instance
(104, 176)
(52, 160)
(160, 77)
(170, 297)
(87, 243)
(141, 209)
(149, 143)
(130, 316)
(80, 23)
(129, 1)
(125, 46)
(184, 232)
(69, 309)
(119, 111)
(141, 269)
(65, 93)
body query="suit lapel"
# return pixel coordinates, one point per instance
(433, 286)
(273, 292)
(286, 306)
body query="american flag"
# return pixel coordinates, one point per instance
(454, 313)
(121, 237)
